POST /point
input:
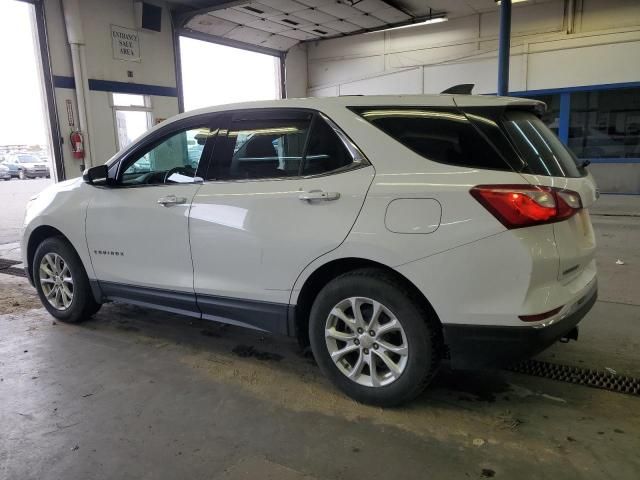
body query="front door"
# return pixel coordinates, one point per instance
(284, 189)
(137, 230)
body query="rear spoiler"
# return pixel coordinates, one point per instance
(462, 89)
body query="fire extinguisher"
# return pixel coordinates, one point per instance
(77, 145)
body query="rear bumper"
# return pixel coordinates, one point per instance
(472, 346)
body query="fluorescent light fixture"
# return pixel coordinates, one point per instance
(498, 2)
(434, 19)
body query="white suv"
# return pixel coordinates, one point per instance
(388, 233)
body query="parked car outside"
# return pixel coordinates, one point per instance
(25, 165)
(5, 174)
(389, 234)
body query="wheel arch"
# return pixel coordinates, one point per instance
(40, 234)
(332, 269)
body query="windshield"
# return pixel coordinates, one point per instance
(27, 159)
(543, 152)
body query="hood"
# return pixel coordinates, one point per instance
(66, 185)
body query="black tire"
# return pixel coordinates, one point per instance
(422, 329)
(83, 305)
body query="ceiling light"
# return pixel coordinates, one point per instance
(434, 19)
(498, 2)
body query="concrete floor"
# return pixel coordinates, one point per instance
(141, 394)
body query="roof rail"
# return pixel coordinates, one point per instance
(462, 89)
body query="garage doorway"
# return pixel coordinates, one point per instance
(23, 119)
(25, 140)
(214, 74)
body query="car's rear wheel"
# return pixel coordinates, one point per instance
(62, 282)
(373, 339)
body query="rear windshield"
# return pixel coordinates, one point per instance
(538, 146)
(441, 135)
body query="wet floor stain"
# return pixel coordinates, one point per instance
(248, 351)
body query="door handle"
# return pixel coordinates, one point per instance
(313, 195)
(171, 200)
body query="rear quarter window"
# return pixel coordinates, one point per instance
(441, 135)
(541, 150)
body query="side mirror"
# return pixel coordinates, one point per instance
(98, 175)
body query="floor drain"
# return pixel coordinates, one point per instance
(579, 376)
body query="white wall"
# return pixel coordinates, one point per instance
(604, 48)
(155, 68)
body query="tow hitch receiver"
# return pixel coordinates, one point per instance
(570, 335)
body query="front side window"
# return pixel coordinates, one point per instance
(174, 160)
(287, 145)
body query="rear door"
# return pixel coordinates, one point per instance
(551, 164)
(285, 188)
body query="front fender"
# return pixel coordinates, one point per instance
(63, 207)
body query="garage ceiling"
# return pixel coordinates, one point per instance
(275, 26)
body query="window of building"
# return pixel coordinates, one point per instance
(132, 117)
(129, 100)
(605, 124)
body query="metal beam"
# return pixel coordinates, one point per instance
(504, 46)
(49, 90)
(177, 59)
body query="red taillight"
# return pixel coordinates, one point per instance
(517, 206)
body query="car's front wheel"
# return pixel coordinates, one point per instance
(62, 282)
(22, 175)
(373, 339)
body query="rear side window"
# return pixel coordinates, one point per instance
(278, 144)
(441, 135)
(267, 148)
(542, 151)
(325, 152)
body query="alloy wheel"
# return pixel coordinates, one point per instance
(56, 281)
(366, 342)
